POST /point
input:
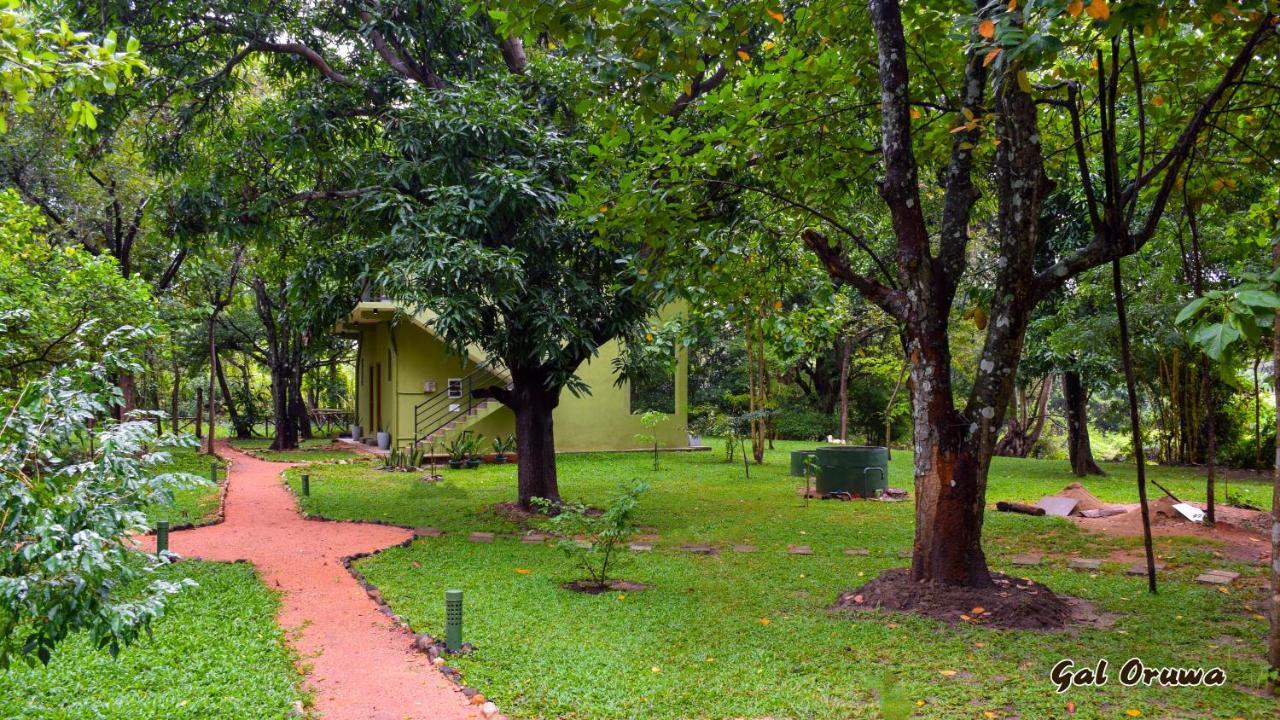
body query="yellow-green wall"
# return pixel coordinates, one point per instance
(601, 420)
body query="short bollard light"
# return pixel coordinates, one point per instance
(453, 620)
(162, 536)
(306, 484)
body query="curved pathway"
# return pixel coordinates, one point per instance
(360, 667)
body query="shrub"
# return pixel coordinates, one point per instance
(605, 532)
(803, 424)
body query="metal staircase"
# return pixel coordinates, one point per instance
(434, 418)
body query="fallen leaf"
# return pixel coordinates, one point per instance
(1071, 707)
(947, 673)
(765, 621)
(988, 714)
(1133, 712)
(978, 610)
(857, 598)
(523, 571)
(655, 669)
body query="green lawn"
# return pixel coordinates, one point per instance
(739, 635)
(194, 506)
(216, 654)
(314, 450)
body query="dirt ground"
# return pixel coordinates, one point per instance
(1243, 533)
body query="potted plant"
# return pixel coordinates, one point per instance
(502, 446)
(457, 449)
(384, 439)
(356, 431)
(474, 443)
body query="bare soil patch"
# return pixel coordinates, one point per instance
(1009, 603)
(595, 588)
(1243, 533)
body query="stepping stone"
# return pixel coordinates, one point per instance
(640, 547)
(481, 537)
(744, 548)
(1213, 579)
(1084, 564)
(1058, 506)
(648, 538)
(904, 553)
(857, 551)
(533, 539)
(699, 549)
(1224, 573)
(1140, 568)
(1029, 559)
(428, 532)
(799, 549)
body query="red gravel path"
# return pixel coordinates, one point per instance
(360, 666)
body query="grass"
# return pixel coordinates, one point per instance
(193, 506)
(313, 450)
(217, 653)
(748, 635)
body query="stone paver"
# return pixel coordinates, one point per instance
(1213, 579)
(1084, 564)
(904, 553)
(533, 538)
(481, 537)
(699, 549)
(857, 551)
(1027, 559)
(744, 548)
(640, 547)
(800, 550)
(1140, 568)
(428, 532)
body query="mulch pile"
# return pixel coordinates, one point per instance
(1009, 603)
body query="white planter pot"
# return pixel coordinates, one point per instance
(356, 432)
(695, 440)
(384, 440)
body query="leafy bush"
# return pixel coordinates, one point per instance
(803, 424)
(74, 485)
(605, 532)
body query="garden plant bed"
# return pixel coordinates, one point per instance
(1010, 603)
(595, 588)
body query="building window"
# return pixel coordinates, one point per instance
(455, 388)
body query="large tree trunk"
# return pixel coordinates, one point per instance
(533, 404)
(298, 406)
(174, 396)
(1026, 426)
(286, 430)
(1079, 448)
(213, 395)
(242, 432)
(950, 481)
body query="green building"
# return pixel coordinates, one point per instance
(410, 384)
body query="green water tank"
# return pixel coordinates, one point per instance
(797, 461)
(859, 470)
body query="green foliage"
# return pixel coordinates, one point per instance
(651, 419)
(1224, 321)
(504, 444)
(35, 58)
(216, 653)
(803, 424)
(605, 532)
(57, 304)
(581, 656)
(73, 487)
